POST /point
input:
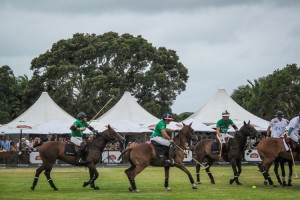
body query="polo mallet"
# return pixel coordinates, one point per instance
(204, 167)
(100, 111)
(296, 175)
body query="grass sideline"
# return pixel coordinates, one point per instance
(15, 184)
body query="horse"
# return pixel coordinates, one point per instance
(52, 150)
(233, 152)
(280, 162)
(269, 149)
(142, 155)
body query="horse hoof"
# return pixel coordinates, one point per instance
(96, 188)
(85, 184)
(212, 182)
(289, 185)
(239, 183)
(194, 186)
(32, 188)
(266, 182)
(135, 191)
(199, 183)
(168, 189)
(55, 189)
(231, 181)
(130, 189)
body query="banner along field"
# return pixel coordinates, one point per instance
(15, 184)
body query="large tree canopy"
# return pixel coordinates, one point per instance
(277, 91)
(13, 94)
(82, 73)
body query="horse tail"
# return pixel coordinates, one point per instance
(124, 152)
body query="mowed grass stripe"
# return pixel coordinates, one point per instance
(15, 184)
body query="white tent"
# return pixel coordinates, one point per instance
(54, 127)
(210, 113)
(198, 126)
(42, 111)
(128, 109)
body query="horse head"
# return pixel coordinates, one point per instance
(111, 135)
(188, 131)
(249, 130)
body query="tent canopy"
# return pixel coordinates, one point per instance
(128, 109)
(210, 113)
(44, 110)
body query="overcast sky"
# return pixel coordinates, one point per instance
(223, 43)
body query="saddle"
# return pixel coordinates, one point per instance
(215, 147)
(71, 149)
(160, 149)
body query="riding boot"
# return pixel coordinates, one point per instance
(170, 160)
(79, 153)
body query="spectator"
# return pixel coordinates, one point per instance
(5, 145)
(13, 147)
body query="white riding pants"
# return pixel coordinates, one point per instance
(294, 136)
(161, 141)
(76, 140)
(223, 137)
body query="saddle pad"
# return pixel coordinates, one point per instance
(215, 148)
(70, 149)
(160, 149)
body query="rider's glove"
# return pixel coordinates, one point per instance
(82, 129)
(171, 141)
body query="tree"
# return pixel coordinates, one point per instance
(277, 91)
(84, 72)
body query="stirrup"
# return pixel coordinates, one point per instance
(170, 161)
(81, 161)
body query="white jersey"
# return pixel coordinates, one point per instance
(295, 124)
(278, 127)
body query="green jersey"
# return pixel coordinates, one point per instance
(79, 124)
(161, 125)
(224, 126)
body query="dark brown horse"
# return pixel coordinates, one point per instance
(282, 180)
(50, 151)
(269, 150)
(141, 156)
(233, 152)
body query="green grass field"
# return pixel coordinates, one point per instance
(15, 184)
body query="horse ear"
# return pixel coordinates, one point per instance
(183, 124)
(249, 122)
(244, 123)
(108, 126)
(190, 124)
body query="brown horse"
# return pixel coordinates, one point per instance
(269, 150)
(50, 151)
(233, 152)
(141, 156)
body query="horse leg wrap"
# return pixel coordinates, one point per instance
(35, 180)
(270, 180)
(52, 184)
(191, 179)
(278, 179)
(290, 181)
(132, 183)
(265, 174)
(166, 183)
